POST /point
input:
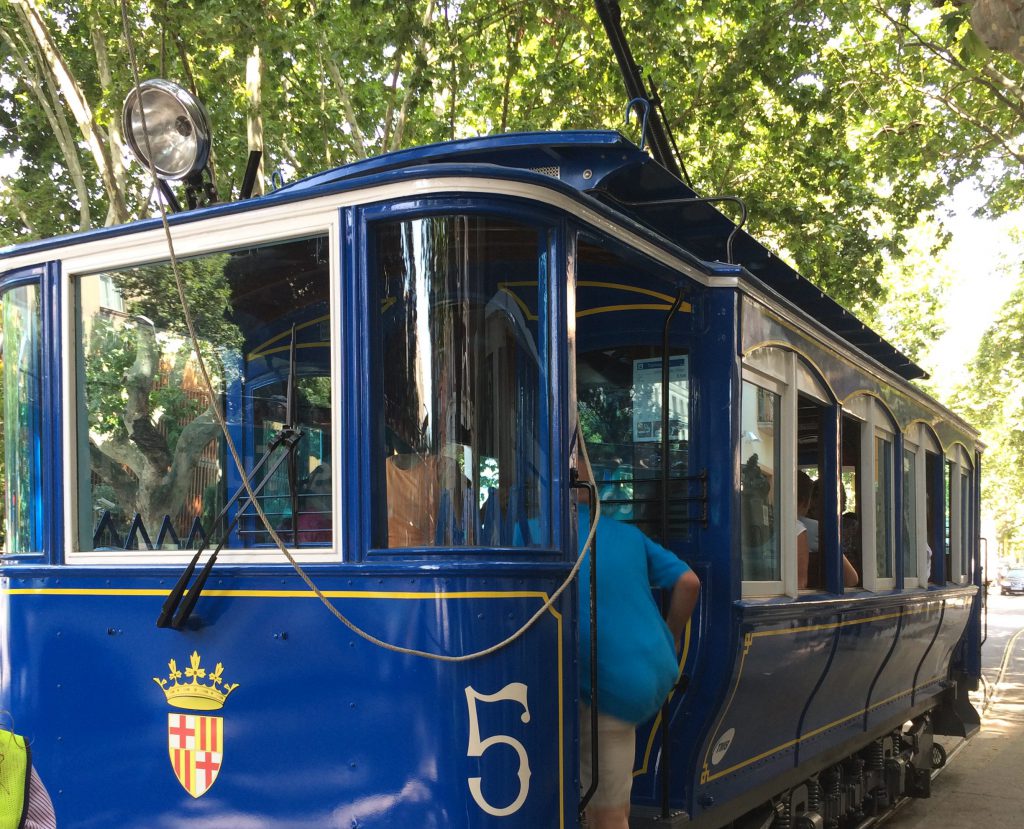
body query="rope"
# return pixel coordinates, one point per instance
(239, 465)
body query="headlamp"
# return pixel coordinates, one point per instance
(178, 127)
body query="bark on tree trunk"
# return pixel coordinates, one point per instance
(254, 119)
(55, 65)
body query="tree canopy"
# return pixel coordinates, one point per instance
(843, 125)
(840, 123)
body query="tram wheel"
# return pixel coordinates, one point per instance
(938, 756)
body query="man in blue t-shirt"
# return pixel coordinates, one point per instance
(636, 650)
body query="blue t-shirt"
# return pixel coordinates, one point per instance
(636, 658)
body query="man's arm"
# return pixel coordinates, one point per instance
(684, 599)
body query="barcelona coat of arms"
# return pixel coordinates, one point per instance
(195, 741)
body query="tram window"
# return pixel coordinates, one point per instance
(850, 502)
(760, 496)
(619, 399)
(463, 411)
(151, 454)
(965, 523)
(932, 495)
(910, 531)
(883, 507)
(947, 522)
(811, 460)
(22, 419)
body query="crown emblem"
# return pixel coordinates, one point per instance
(208, 695)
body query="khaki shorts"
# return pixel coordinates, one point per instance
(617, 748)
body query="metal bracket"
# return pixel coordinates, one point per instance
(643, 110)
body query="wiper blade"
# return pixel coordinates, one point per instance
(175, 612)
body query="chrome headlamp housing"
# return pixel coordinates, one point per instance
(178, 127)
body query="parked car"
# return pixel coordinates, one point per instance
(1012, 581)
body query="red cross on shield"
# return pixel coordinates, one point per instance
(196, 746)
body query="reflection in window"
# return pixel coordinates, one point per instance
(966, 520)
(849, 500)
(910, 548)
(883, 508)
(465, 388)
(154, 462)
(933, 494)
(759, 496)
(811, 419)
(947, 518)
(22, 424)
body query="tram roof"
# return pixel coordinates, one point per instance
(607, 166)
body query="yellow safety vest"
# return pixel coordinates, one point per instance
(14, 778)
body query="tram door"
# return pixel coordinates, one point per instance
(621, 310)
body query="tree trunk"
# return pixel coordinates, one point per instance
(39, 84)
(359, 145)
(55, 65)
(117, 146)
(1000, 25)
(254, 116)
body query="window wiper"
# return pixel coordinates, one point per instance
(178, 605)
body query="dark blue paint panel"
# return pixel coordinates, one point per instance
(935, 666)
(781, 664)
(864, 639)
(324, 728)
(894, 686)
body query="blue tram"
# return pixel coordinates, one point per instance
(403, 349)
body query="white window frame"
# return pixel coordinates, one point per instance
(914, 441)
(782, 380)
(206, 236)
(958, 556)
(874, 423)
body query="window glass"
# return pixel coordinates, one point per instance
(933, 494)
(619, 394)
(465, 409)
(849, 501)
(809, 492)
(22, 425)
(153, 461)
(910, 548)
(622, 305)
(947, 485)
(759, 494)
(883, 508)
(966, 515)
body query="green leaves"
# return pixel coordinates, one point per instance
(840, 123)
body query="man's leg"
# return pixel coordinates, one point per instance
(609, 807)
(615, 817)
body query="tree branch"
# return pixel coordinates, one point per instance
(34, 79)
(54, 62)
(346, 102)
